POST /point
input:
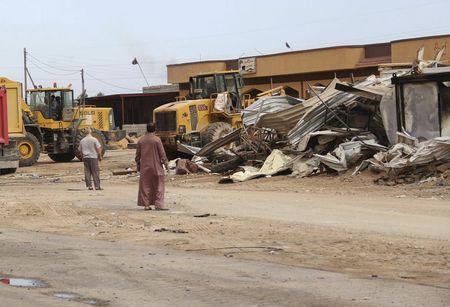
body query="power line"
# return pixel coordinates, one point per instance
(34, 60)
(110, 84)
(35, 65)
(71, 59)
(49, 72)
(97, 67)
(51, 66)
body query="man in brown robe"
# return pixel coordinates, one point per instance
(150, 157)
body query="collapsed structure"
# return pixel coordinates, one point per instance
(340, 126)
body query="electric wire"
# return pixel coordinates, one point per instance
(110, 84)
(48, 65)
(52, 73)
(33, 61)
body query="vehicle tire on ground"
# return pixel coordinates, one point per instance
(95, 133)
(215, 131)
(29, 150)
(7, 171)
(63, 157)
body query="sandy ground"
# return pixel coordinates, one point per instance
(325, 240)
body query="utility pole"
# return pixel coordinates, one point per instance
(26, 73)
(25, 70)
(82, 93)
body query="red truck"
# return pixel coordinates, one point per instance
(9, 155)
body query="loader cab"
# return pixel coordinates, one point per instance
(54, 104)
(206, 86)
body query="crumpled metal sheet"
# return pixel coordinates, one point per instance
(388, 112)
(187, 149)
(275, 163)
(343, 156)
(402, 156)
(283, 121)
(267, 105)
(318, 114)
(305, 167)
(324, 136)
(346, 154)
(213, 146)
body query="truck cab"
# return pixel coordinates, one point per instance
(9, 154)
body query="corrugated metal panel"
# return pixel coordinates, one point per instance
(283, 121)
(267, 105)
(227, 139)
(318, 114)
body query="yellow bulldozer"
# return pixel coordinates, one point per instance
(54, 124)
(196, 119)
(211, 110)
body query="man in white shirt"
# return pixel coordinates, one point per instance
(91, 153)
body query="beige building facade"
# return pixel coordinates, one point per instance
(316, 66)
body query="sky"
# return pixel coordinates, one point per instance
(103, 37)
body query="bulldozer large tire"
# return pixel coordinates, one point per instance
(7, 171)
(29, 150)
(64, 157)
(95, 133)
(215, 131)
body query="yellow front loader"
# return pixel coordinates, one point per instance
(195, 119)
(52, 123)
(63, 123)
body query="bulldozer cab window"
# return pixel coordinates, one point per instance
(233, 90)
(220, 84)
(231, 84)
(55, 104)
(240, 82)
(51, 103)
(204, 87)
(67, 99)
(40, 102)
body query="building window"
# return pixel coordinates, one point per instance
(377, 51)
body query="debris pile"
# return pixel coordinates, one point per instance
(128, 142)
(283, 134)
(405, 163)
(336, 130)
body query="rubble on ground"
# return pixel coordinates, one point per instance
(410, 163)
(129, 142)
(343, 126)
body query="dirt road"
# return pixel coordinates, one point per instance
(274, 241)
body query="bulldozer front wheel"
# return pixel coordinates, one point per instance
(95, 133)
(29, 150)
(215, 131)
(7, 171)
(64, 157)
